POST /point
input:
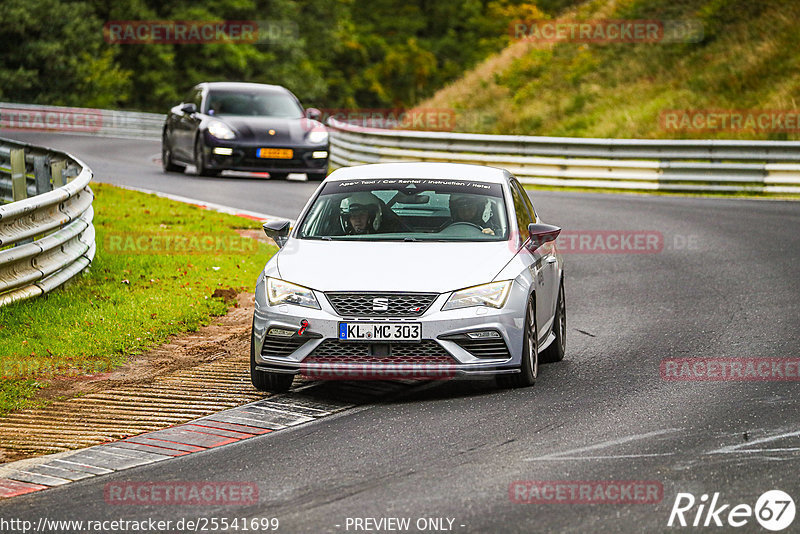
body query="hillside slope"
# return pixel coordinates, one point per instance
(747, 60)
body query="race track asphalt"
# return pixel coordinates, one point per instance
(725, 284)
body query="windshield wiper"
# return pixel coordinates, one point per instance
(410, 239)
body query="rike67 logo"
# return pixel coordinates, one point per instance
(774, 510)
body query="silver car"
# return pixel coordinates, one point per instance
(410, 270)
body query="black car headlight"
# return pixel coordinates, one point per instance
(317, 137)
(220, 130)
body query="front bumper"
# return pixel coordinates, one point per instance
(244, 158)
(443, 352)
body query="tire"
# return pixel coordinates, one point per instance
(200, 161)
(265, 381)
(555, 352)
(316, 176)
(166, 158)
(529, 369)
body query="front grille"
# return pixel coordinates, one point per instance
(485, 348)
(335, 351)
(397, 304)
(281, 346)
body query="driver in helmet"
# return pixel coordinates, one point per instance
(361, 213)
(469, 209)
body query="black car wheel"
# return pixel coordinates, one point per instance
(266, 381)
(200, 161)
(529, 369)
(166, 158)
(555, 352)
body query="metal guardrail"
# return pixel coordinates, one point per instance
(86, 121)
(714, 166)
(46, 232)
(771, 167)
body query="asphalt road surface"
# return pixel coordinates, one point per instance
(725, 283)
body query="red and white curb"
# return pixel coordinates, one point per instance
(275, 413)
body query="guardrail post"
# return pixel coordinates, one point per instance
(41, 173)
(57, 171)
(19, 186)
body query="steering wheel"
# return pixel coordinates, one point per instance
(465, 223)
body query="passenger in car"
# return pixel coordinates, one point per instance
(471, 209)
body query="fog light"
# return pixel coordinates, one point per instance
(319, 154)
(222, 151)
(485, 334)
(280, 332)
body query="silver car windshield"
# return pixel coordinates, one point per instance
(407, 210)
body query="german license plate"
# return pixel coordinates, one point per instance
(276, 153)
(380, 331)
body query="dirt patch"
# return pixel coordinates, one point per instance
(226, 336)
(192, 375)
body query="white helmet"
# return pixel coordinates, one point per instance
(362, 201)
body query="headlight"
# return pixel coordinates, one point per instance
(317, 136)
(282, 292)
(220, 130)
(493, 294)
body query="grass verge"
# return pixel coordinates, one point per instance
(157, 266)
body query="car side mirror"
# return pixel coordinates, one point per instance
(277, 231)
(189, 109)
(314, 114)
(541, 234)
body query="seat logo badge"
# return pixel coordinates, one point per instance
(380, 304)
(271, 132)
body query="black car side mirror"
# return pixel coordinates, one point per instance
(277, 231)
(314, 114)
(541, 234)
(189, 109)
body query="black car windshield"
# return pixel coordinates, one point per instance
(253, 104)
(424, 209)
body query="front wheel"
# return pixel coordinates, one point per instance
(529, 369)
(167, 162)
(555, 352)
(264, 380)
(200, 161)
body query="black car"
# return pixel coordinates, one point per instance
(244, 127)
